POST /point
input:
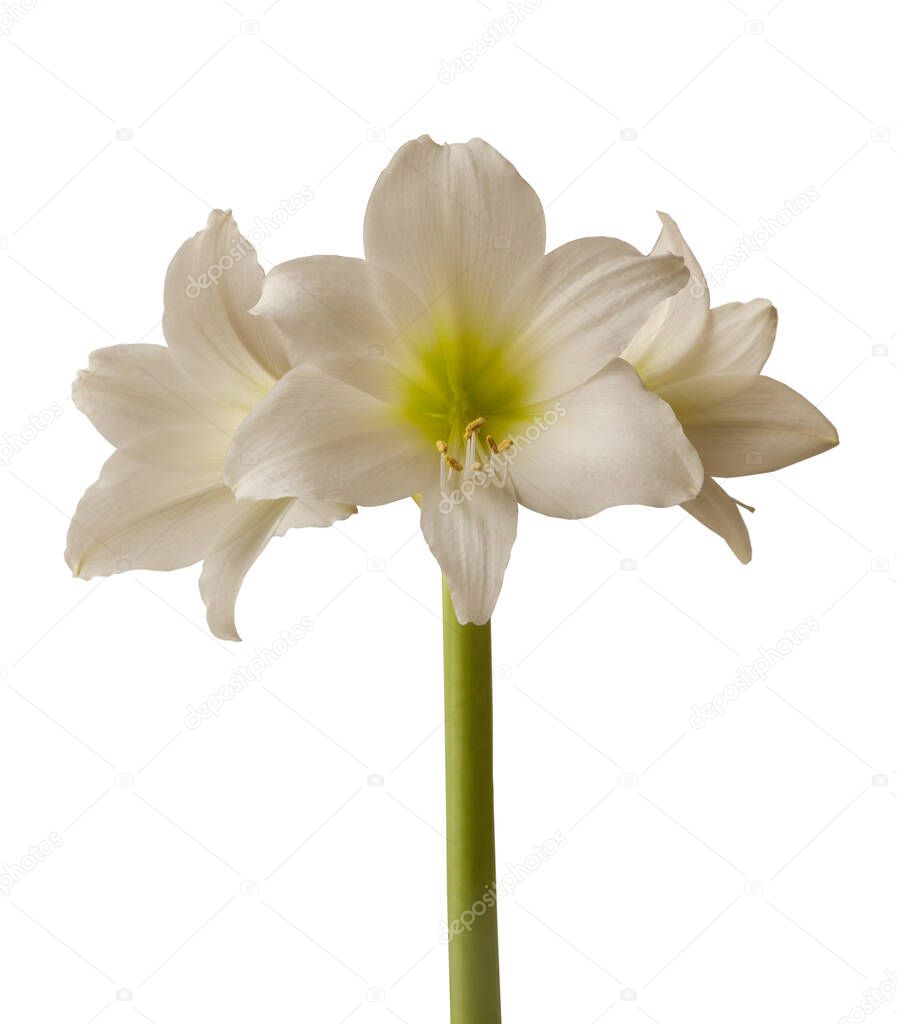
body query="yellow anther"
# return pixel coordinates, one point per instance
(453, 463)
(505, 445)
(477, 466)
(441, 447)
(493, 447)
(473, 427)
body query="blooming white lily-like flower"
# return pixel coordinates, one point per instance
(172, 412)
(461, 363)
(706, 364)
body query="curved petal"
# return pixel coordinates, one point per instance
(455, 223)
(471, 537)
(611, 442)
(350, 318)
(743, 424)
(140, 400)
(676, 328)
(580, 306)
(721, 513)
(199, 451)
(671, 240)
(739, 339)
(138, 516)
(311, 512)
(212, 283)
(315, 436)
(234, 551)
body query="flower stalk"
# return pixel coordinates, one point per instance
(470, 821)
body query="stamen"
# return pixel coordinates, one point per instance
(472, 458)
(470, 454)
(473, 427)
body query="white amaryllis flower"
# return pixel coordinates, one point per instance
(460, 362)
(706, 364)
(160, 501)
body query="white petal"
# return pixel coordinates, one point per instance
(212, 283)
(580, 306)
(234, 551)
(739, 339)
(198, 451)
(677, 326)
(455, 223)
(140, 400)
(304, 512)
(671, 240)
(350, 318)
(611, 442)
(721, 513)
(743, 424)
(138, 516)
(128, 390)
(315, 436)
(471, 538)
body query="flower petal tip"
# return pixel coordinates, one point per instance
(229, 634)
(77, 568)
(217, 216)
(667, 221)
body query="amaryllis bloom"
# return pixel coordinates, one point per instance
(460, 363)
(172, 412)
(706, 364)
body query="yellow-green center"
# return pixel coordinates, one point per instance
(453, 377)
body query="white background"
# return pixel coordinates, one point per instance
(738, 872)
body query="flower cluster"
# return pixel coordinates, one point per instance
(290, 399)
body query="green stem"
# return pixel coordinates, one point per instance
(470, 821)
